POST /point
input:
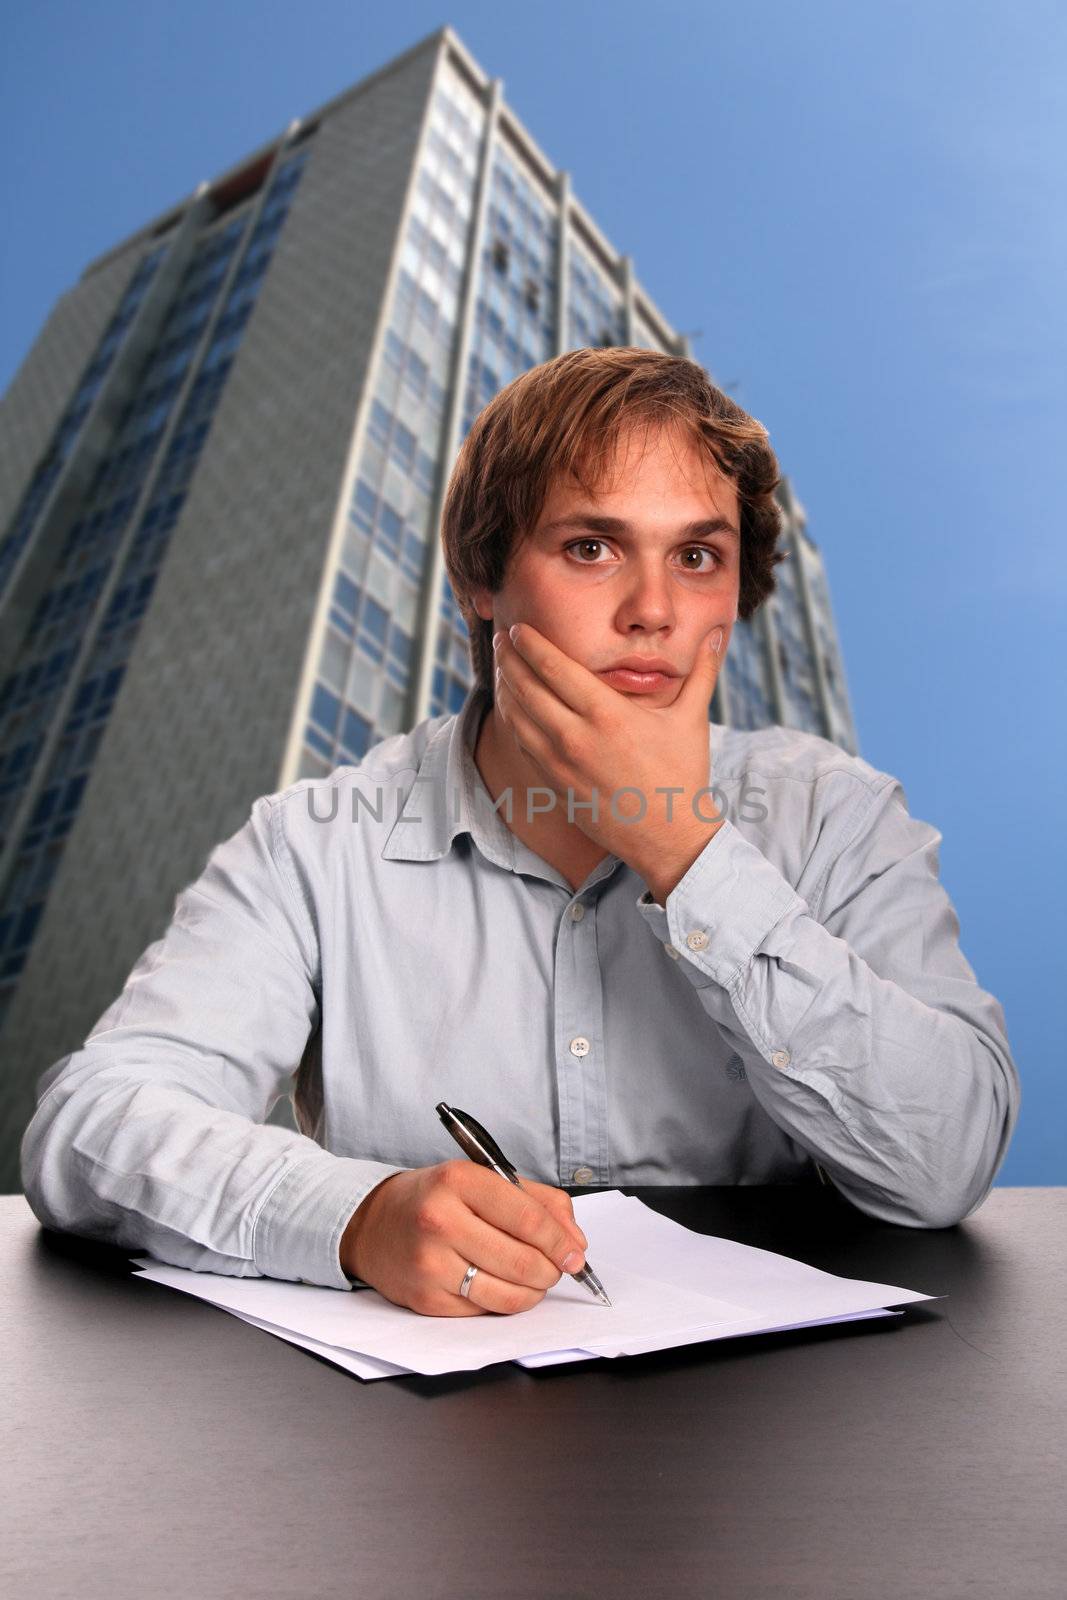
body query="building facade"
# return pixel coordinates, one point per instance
(221, 472)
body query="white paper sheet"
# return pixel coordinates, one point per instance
(549, 1358)
(567, 1316)
(351, 1360)
(365, 1367)
(689, 1288)
(782, 1293)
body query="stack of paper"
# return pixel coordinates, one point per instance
(668, 1286)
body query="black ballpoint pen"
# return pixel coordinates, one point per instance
(483, 1148)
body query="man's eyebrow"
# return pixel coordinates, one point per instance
(599, 524)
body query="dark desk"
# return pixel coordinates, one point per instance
(161, 1448)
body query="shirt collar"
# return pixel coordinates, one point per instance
(449, 797)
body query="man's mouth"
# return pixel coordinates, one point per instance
(638, 675)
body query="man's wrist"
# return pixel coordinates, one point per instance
(348, 1250)
(675, 857)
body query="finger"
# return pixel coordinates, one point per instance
(700, 685)
(507, 1258)
(578, 689)
(559, 1202)
(528, 690)
(530, 735)
(514, 1211)
(490, 1293)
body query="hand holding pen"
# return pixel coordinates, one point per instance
(415, 1235)
(483, 1148)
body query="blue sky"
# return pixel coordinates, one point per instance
(861, 207)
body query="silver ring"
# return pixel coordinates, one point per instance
(465, 1286)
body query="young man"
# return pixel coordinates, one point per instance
(641, 948)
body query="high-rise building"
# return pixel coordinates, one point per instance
(221, 472)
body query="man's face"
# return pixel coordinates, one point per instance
(646, 568)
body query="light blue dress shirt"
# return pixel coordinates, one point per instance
(801, 999)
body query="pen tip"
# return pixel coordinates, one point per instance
(604, 1297)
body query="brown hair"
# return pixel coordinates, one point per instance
(563, 416)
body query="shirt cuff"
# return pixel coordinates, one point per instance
(298, 1231)
(718, 914)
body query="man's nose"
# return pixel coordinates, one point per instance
(648, 601)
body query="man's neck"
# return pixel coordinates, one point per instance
(548, 833)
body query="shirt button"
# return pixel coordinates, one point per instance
(672, 952)
(579, 1046)
(697, 940)
(582, 1175)
(780, 1058)
(577, 911)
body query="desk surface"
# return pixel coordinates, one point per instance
(160, 1447)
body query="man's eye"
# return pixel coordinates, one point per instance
(703, 550)
(587, 544)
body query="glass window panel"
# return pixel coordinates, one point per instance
(416, 373)
(422, 343)
(354, 553)
(431, 280)
(409, 258)
(363, 683)
(372, 465)
(378, 423)
(325, 708)
(374, 619)
(320, 743)
(388, 386)
(370, 647)
(355, 732)
(382, 577)
(399, 644)
(334, 665)
(346, 595)
(418, 513)
(395, 489)
(391, 525)
(407, 599)
(391, 715)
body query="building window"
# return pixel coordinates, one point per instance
(355, 733)
(325, 708)
(390, 527)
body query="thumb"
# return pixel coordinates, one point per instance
(700, 685)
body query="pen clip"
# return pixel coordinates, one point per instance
(478, 1143)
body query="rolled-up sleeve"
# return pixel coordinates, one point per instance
(863, 1029)
(152, 1136)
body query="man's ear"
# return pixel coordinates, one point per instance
(483, 603)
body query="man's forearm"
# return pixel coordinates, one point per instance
(867, 1040)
